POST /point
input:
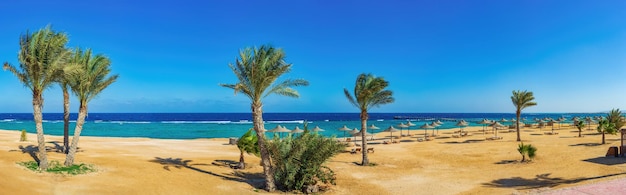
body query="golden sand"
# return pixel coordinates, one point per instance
(445, 165)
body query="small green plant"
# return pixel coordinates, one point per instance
(58, 168)
(23, 136)
(298, 161)
(580, 125)
(248, 143)
(527, 150)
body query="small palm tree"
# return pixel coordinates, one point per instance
(606, 126)
(527, 150)
(580, 125)
(521, 100)
(247, 143)
(41, 56)
(615, 117)
(257, 69)
(369, 91)
(89, 79)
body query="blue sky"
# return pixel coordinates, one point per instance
(439, 56)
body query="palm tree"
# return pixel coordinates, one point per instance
(90, 77)
(247, 143)
(580, 125)
(63, 83)
(369, 91)
(615, 117)
(521, 100)
(41, 55)
(257, 69)
(604, 127)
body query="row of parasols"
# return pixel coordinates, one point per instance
(355, 132)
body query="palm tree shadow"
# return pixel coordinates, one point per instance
(540, 181)
(32, 150)
(255, 180)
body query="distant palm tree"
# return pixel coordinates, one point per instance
(521, 100)
(41, 57)
(62, 80)
(611, 124)
(369, 91)
(580, 125)
(257, 69)
(90, 77)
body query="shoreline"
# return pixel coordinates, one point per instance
(445, 165)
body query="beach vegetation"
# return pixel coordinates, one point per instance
(299, 161)
(369, 92)
(527, 150)
(88, 78)
(611, 124)
(257, 69)
(247, 143)
(57, 168)
(580, 125)
(23, 136)
(41, 56)
(521, 100)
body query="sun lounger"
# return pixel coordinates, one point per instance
(370, 150)
(355, 150)
(551, 133)
(348, 139)
(494, 138)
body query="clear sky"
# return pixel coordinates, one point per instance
(439, 56)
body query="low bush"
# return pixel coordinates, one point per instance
(58, 168)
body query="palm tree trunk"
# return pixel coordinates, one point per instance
(603, 142)
(41, 141)
(366, 160)
(82, 113)
(242, 164)
(257, 120)
(517, 115)
(66, 119)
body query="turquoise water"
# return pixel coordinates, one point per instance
(223, 125)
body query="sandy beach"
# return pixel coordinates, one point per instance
(445, 165)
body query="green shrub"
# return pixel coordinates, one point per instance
(298, 160)
(527, 150)
(23, 136)
(58, 168)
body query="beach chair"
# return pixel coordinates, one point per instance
(370, 150)
(355, 150)
(348, 139)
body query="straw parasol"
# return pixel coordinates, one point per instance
(344, 129)
(484, 122)
(426, 126)
(279, 129)
(495, 126)
(410, 124)
(402, 125)
(436, 126)
(297, 130)
(503, 120)
(372, 127)
(353, 133)
(316, 129)
(391, 130)
(461, 124)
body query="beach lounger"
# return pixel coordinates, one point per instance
(370, 150)
(355, 150)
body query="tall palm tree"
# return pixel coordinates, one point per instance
(41, 55)
(90, 77)
(257, 69)
(63, 83)
(369, 91)
(521, 100)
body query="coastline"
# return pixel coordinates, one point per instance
(446, 165)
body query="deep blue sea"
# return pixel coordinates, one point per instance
(223, 125)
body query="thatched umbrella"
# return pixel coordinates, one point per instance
(359, 133)
(495, 126)
(484, 122)
(503, 120)
(436, 125)
(402, 125)
(461, 124)
(426, 126)
(297, 130)
(316, 129)
(410, 124)
(589, 121)
(279, 129)
(391, 130)
(353, 133)
(344, 129)
(552, 121)
(372, 127)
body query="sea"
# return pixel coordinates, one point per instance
(226, 125)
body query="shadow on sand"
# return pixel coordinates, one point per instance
(466, 141)
(255, 180)
(540, 181)
(33, 150)
(587, 144)
(607, 160)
